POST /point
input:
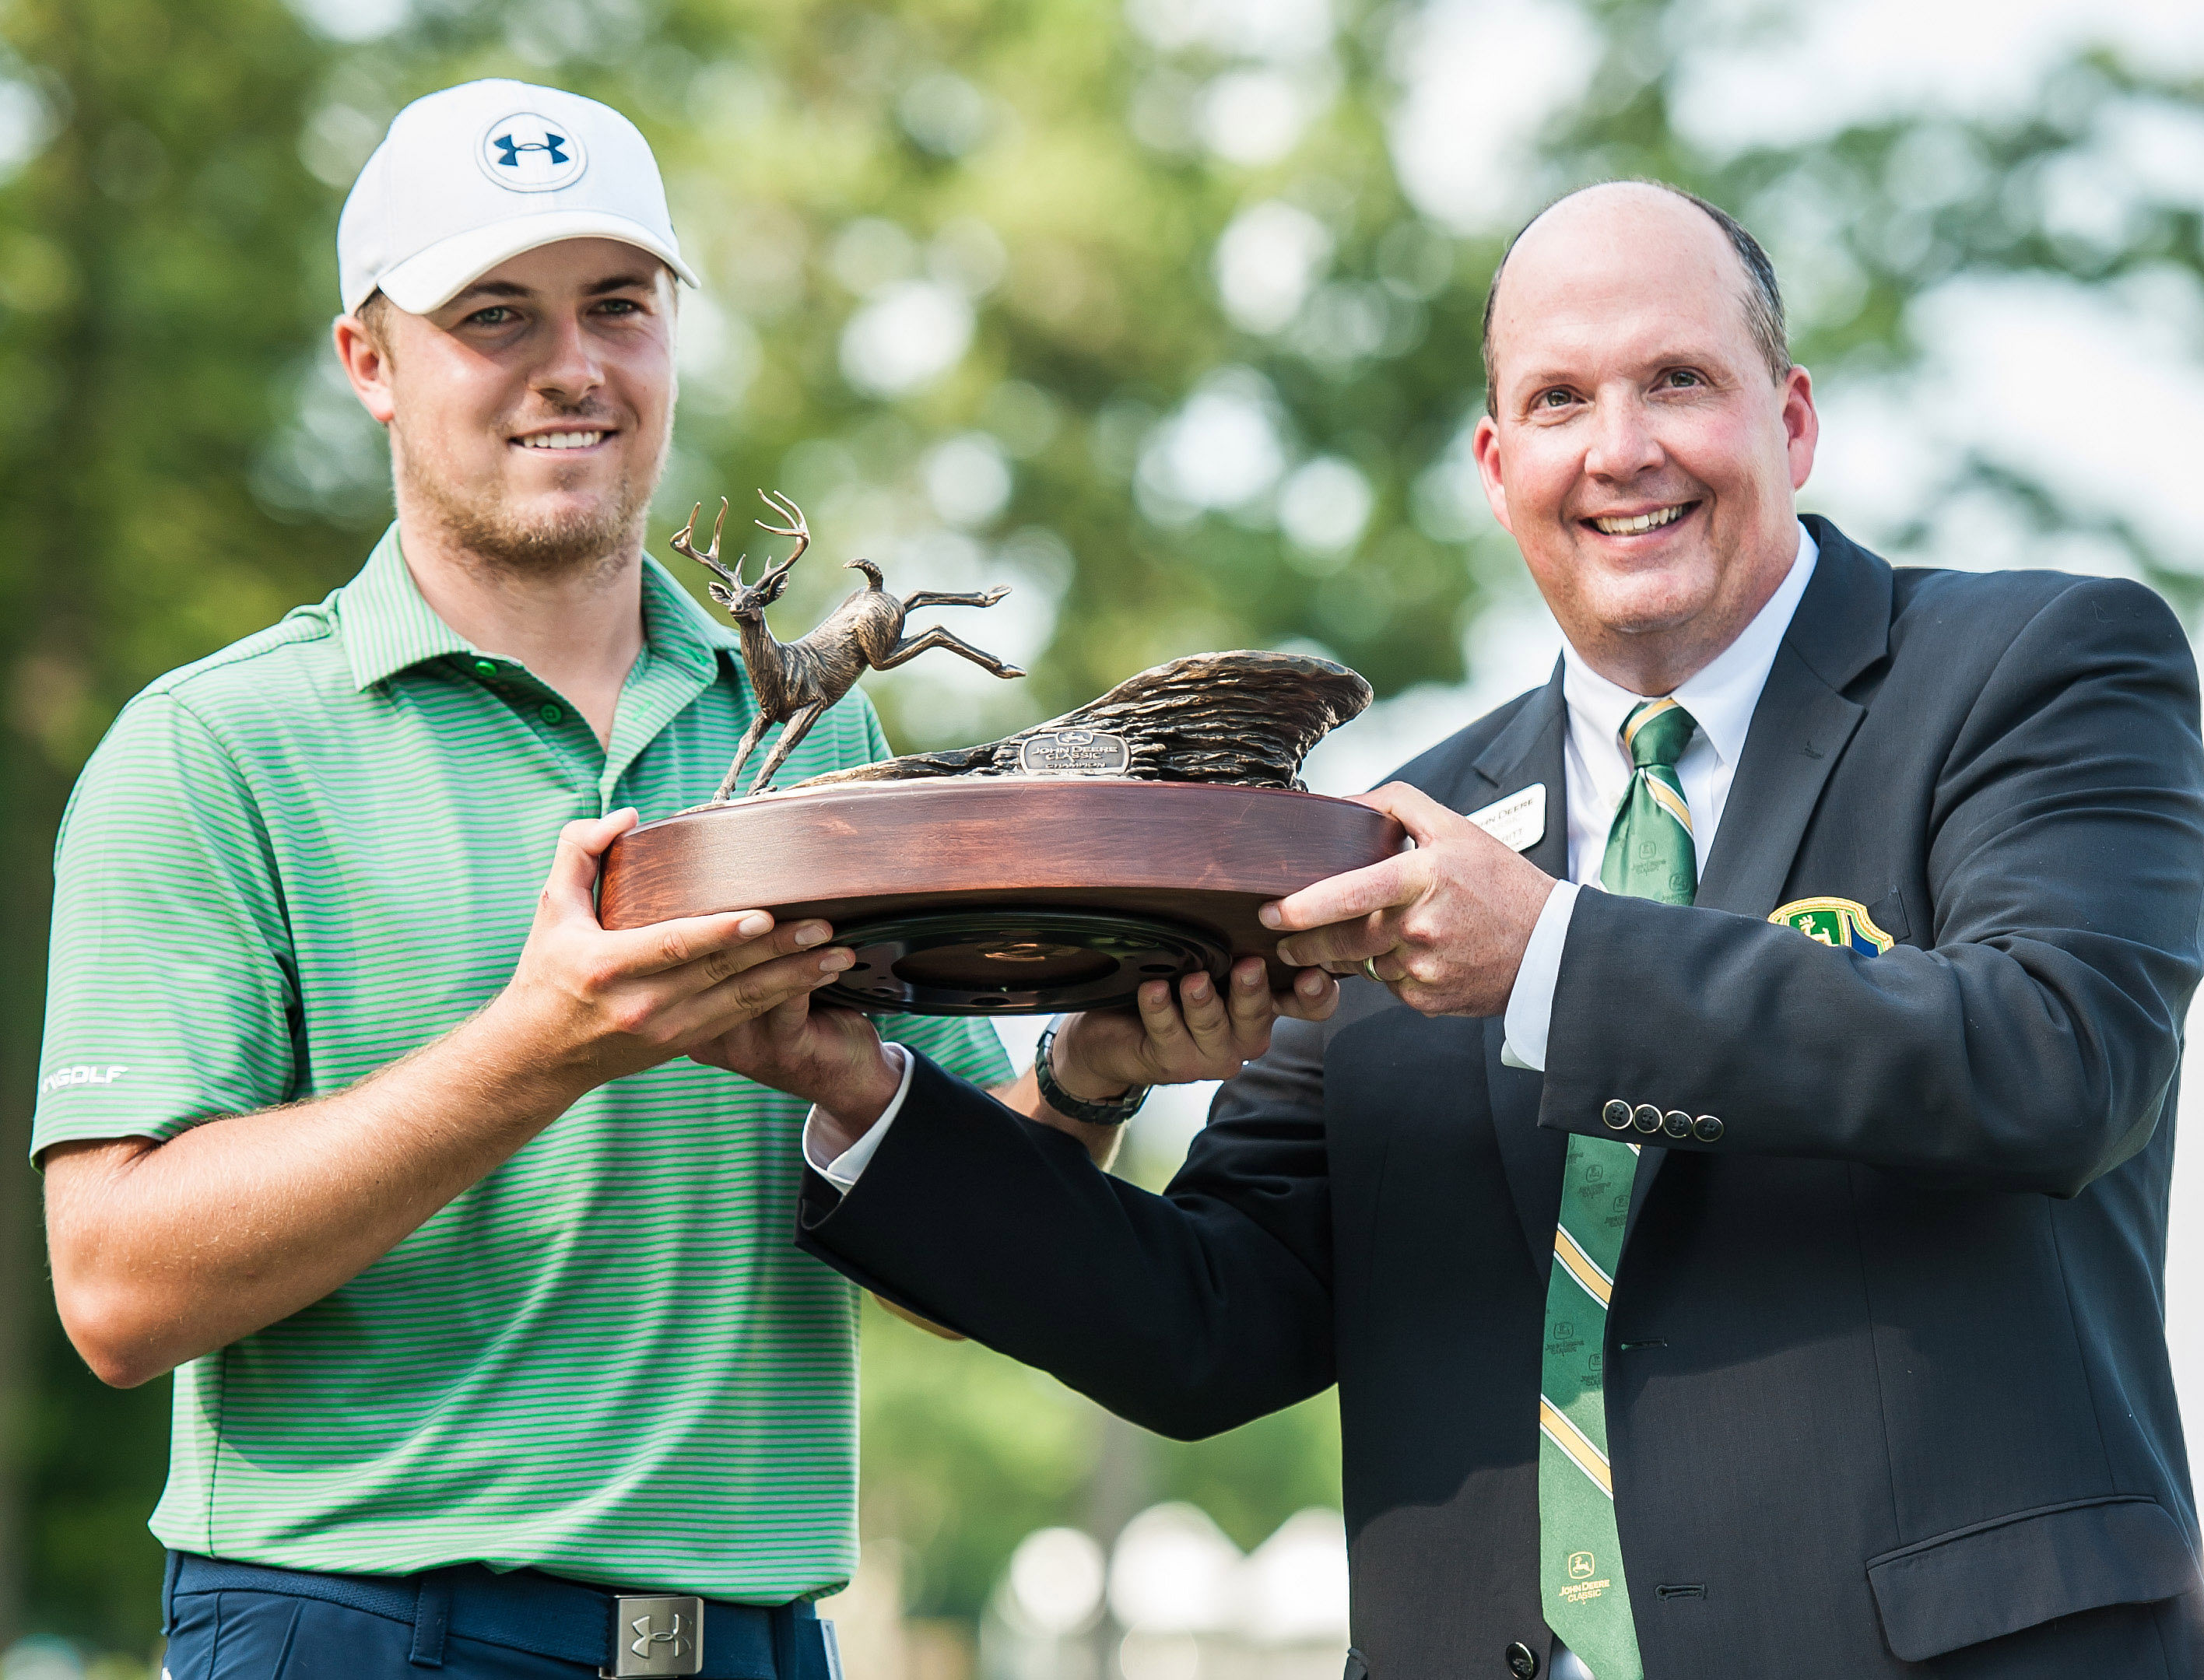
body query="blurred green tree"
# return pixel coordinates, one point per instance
(155, 289)
(1124, 303)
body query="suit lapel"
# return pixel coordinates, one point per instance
(1800, 727)
(1528, 751)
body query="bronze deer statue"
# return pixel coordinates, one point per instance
(796, 681)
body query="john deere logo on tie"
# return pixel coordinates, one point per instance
(1580, 1566)
(1842, 923)
(527, 153)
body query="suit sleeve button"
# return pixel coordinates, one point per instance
(1676, 1123)
(1522, 1662)
(1616, 1115)
(1707, 1129)
(1645, 1117)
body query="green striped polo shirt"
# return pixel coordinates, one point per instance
(297, 860)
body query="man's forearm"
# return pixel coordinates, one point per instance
(162, 1251)
(835, 1136)
(1023, 1094)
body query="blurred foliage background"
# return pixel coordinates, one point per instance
(1164, 312)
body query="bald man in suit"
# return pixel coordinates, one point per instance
(1730, 1193)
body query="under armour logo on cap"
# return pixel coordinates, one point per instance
(528, 153)
(513, 149)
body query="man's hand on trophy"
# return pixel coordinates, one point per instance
(587, 1004)
(1443, 925)
(1204, 1033)
(830, 1057)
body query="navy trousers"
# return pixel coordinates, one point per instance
(246, 1636)
(245, 1622)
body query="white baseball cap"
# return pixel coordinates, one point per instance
(477, 173)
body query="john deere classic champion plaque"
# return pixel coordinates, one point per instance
(1130, 840)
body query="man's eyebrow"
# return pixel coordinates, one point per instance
(1681, 356)
(596, 288)
(492, 288)
(1542, 379)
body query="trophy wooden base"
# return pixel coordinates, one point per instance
(1003, 895)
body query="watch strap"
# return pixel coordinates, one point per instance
(1114, 1112)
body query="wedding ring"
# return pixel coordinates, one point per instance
(1369, 968)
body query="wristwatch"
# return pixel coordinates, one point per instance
(1115, 1112)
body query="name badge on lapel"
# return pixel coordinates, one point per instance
(1841, 922)
(1518, 821)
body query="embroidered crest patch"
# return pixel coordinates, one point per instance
(1842, 922)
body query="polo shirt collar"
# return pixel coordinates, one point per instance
(384, 624)
(387, 627)
(679, 630)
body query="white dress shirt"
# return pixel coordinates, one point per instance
(841, 1170)
(1567, 1666)
(1720, 700)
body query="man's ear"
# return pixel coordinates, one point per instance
(367, 364)
(1801, 425)
(1484, 444)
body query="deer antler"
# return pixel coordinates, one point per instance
(795, 527)
(684, 544)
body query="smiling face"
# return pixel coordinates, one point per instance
(529, 416)
(1641, 454)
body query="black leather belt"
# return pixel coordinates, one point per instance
(617, 1633)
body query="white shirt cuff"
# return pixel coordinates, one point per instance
(1530, 1014)
(841, 1170)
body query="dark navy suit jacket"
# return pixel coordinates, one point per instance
(1888, 1392)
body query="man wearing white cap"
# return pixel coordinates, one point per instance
(477, 175)
(492, 1350)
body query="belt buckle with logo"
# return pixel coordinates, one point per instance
(656, 1636)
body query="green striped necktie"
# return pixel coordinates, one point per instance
(1587, 1599)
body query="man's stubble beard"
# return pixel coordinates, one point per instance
(481, 524)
